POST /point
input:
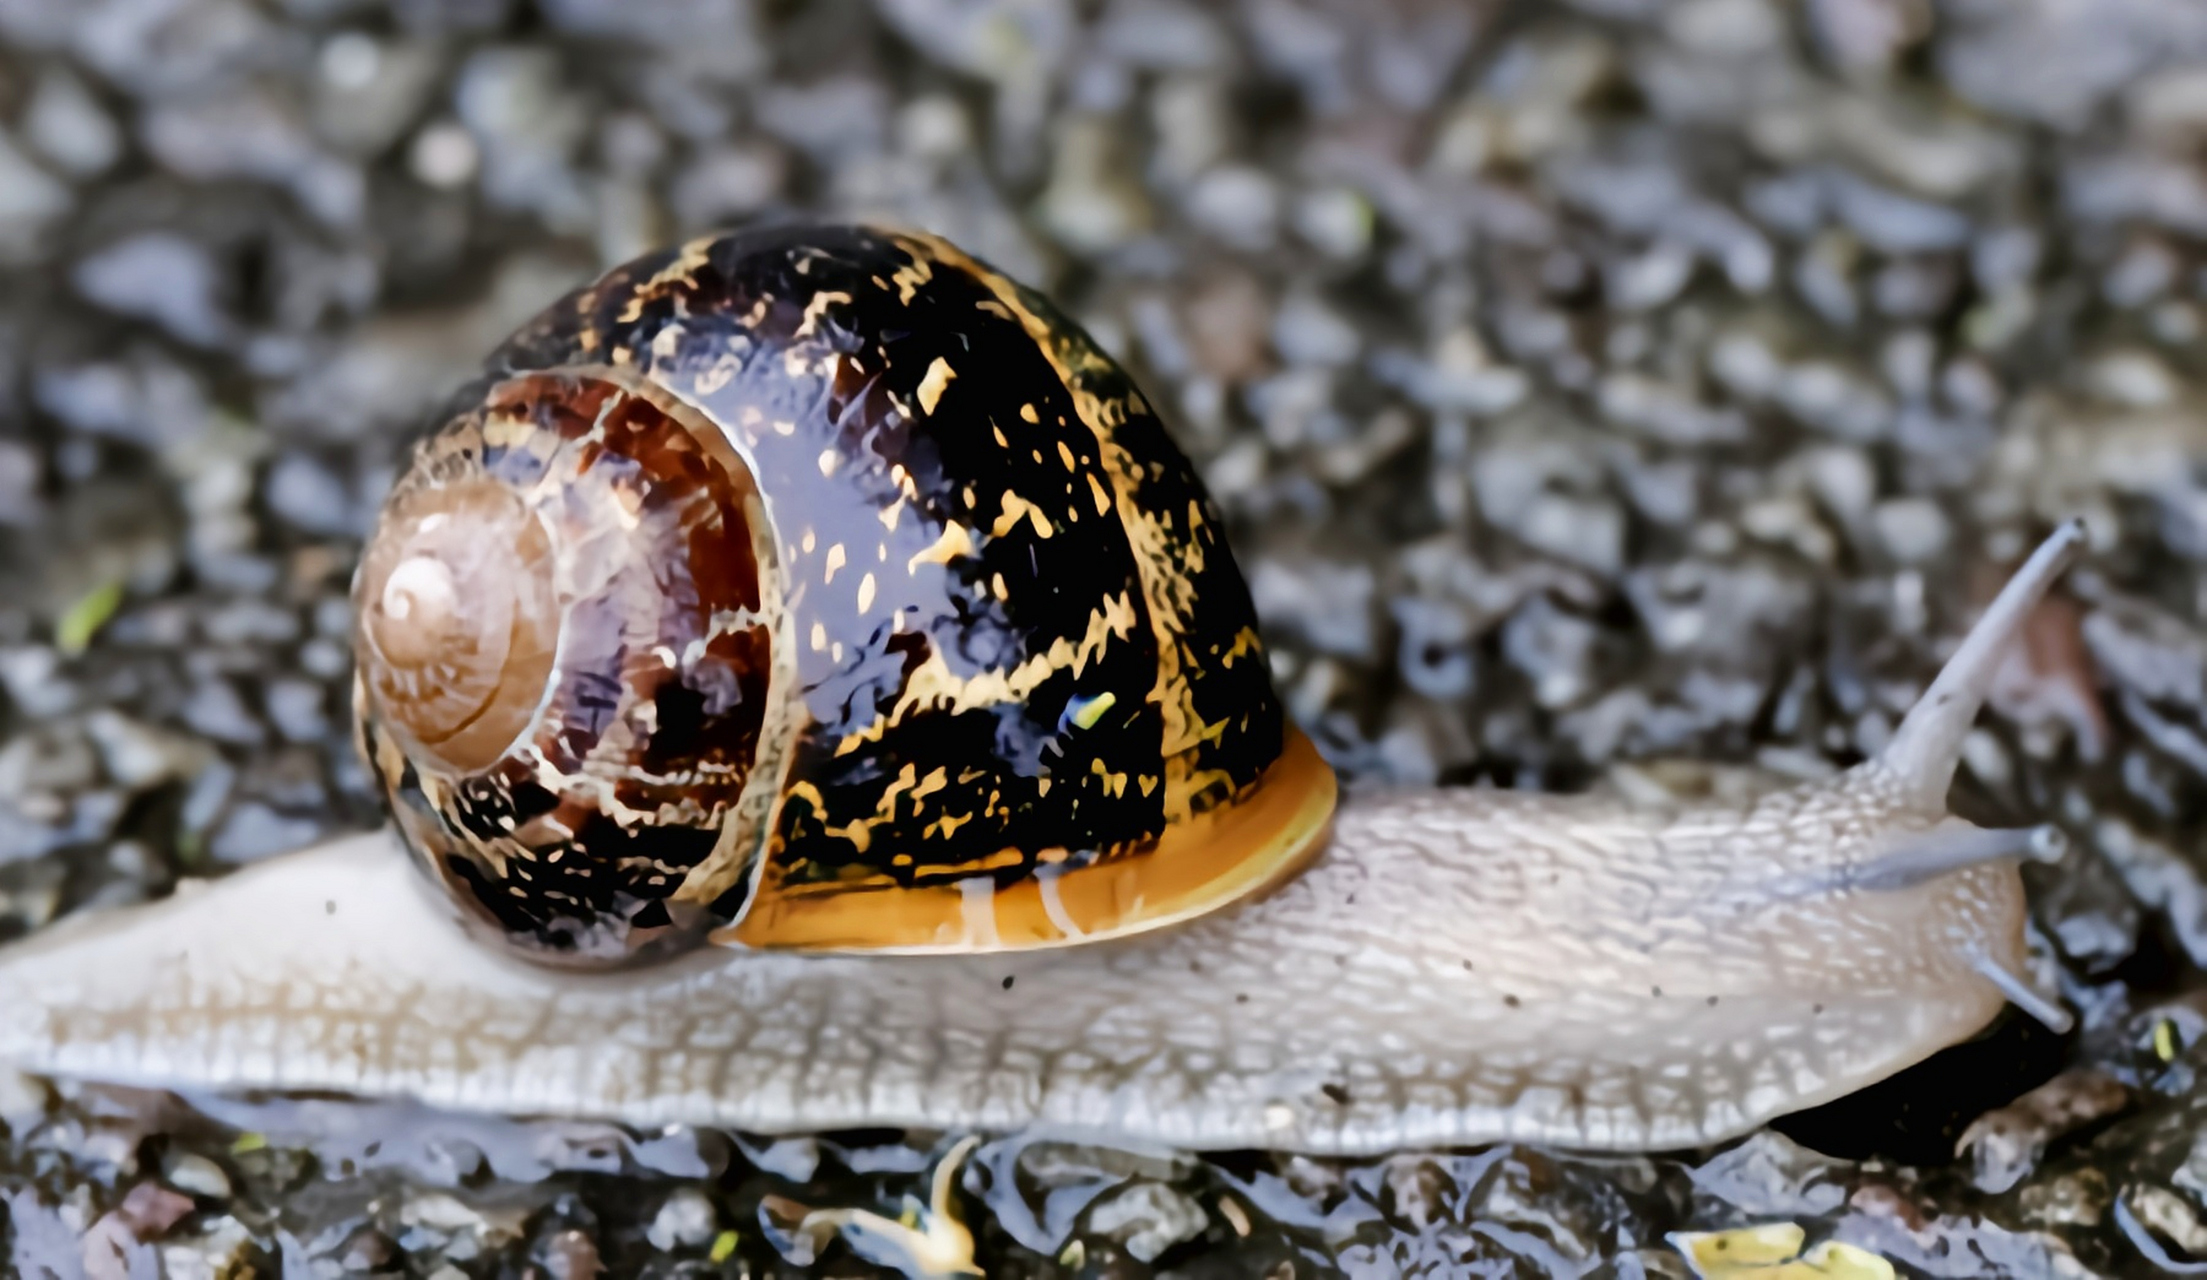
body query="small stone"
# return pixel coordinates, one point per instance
(23, 1099)
(831, 119)
(1092, 204)
(215, 710)
(1835, 399)
(1912, 530)
(1843, 481)
(220, 1252)
(573, 1255)
(1307, 331)
(935, 127)
(1824, 277)
(1650, 279)
(296, 707)
(2170, 1217)
(514, 101)
(2171, 103)
(1894, 223)
(67, 125)
(2005, 1144)
(1554, 649)
(150, 1209)
(728, 183)
(369, 92)
(1434, 651)
(29, 200)
(1336, 221)
(444, 155)
(1148, 1218)
(20, 470)
(310, 497)
(1868, 35)
(366, 1250)
(254, 831)
(1238, 204)
(163, 277)
(139, 757)
(1225, 326)
(687, 1219)
(1915, 288)
(2006, 257)
(2145, 270)
(2134, 378)
(1666, 412)
(1329, 604)
(196, 1175)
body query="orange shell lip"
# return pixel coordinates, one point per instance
(1228, 853)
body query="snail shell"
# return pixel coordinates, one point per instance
(819, 587)
(1446, 966)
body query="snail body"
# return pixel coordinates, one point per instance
(997, 822)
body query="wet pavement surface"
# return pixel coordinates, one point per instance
(1619, 390)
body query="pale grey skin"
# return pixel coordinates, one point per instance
(1460, 966)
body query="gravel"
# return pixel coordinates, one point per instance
(1638, 393)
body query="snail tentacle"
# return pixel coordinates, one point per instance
(1950, 847)
(2018, 990)
(1926, 748)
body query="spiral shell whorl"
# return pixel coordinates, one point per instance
(565, 661)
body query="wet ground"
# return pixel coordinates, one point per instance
(1590, 387)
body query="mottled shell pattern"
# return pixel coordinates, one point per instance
(820, 588)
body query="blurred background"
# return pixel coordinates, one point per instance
(1616, 393)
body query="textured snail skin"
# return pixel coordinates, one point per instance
(1457, 967)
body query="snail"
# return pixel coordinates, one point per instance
(812, 692)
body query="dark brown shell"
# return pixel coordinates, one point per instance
(925, 637)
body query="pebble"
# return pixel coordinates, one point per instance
(297, 709)
(312, 498)
(253, 831)
(1091, 205)
(1148, 1218)
(2004, 1145)
(163, 277)
(215, 709)
(511, 100)
(1238, 204)
(196, 1175)
(139, 757)
(1329, 604)
(1554, 649)
(66, 124)
(1307, 331)
(1868, 36)
(1336, 221)
(728, 183)
(29, 200)
(686, 1219)
(1912, 530)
